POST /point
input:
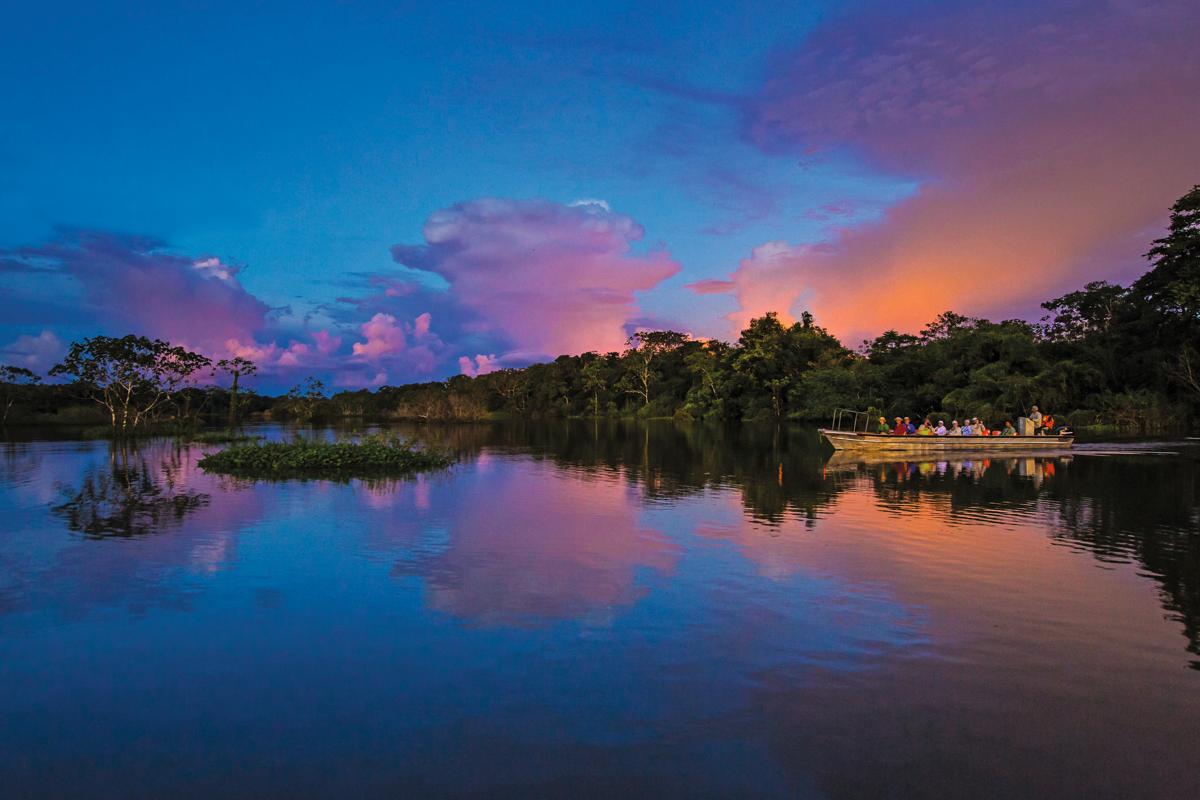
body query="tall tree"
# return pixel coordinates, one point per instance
(646, 348)
(595, 376)
(131, 376)
(1172, 286)
(1079, 314)
(236, 368)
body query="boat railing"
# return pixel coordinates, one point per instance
(849, 420)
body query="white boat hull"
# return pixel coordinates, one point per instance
(917, 445)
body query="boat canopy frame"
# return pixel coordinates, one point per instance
(844, 416)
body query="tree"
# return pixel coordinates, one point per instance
(645, 349)
(131, 376)
(512, 385)
(302, 401)
(1086, 312)
(1172, 286)
(1185, 370)
(706, 363)
(946, 325)
(236, 368)
(14, 382)
(595, 377)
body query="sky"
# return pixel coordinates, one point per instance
(381, 193)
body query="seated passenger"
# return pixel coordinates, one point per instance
(967, 430)
(925, 430)
(940, 430)
(1009, 430)
(909, 428)
(901, 429)
(980, 428)
(883, 426)
(1048, 424)
(954, 429)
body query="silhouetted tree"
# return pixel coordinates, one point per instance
(131, 376)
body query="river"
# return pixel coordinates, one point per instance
(601, 610)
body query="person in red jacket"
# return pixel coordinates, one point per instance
(901, 429)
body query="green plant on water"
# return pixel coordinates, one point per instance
(222, 437)
(302, 458)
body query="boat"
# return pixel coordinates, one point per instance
(888, 443)
(861, 441)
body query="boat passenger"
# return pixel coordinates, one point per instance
(967, 430)
(940, 430)
(1035, 417)
(883, 426)
(1009, 430)
(1048, 424)
(909, 428)
(954, 429)
(925, 430)
(901, 429)
(980, 428)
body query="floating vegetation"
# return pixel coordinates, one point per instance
(372, 456)
(222, 437)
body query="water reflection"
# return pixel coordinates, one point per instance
(186, 524)
(562, 546)
(606, 605)
(131, 496)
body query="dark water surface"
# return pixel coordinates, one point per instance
(578, 610)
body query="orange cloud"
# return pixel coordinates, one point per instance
(1049, 146)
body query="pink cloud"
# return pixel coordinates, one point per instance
(135, 284)
(326, 342)
(1049, 146)
(293, 356)
(421, 325)
(550, 278)
(482, 365)
(411, 346)
(384, 337)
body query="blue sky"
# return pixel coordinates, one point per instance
(300, 142)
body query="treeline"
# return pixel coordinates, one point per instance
(1128, 357)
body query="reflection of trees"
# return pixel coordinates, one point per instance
(777, 468)
(1145, 511)
(131, 495)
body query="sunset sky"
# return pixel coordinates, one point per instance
(388, 192)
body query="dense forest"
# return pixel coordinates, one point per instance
(1125, 357)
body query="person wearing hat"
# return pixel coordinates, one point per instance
(883, 426)
(954, 429)
(940, 430)
(901, 429)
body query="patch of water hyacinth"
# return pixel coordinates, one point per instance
(302, 458)
(222, 437)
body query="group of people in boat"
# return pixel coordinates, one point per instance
(1043, 424)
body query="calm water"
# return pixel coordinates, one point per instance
(582, 610)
